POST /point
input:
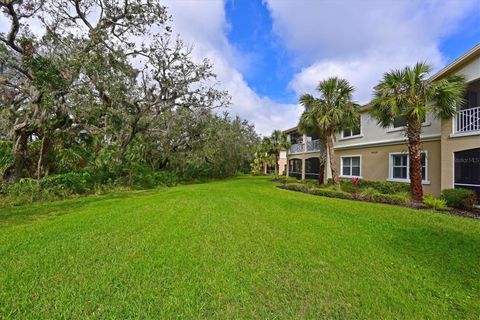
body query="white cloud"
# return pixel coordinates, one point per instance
(360, 40)
(204, 24)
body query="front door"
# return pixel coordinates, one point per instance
(467, 170)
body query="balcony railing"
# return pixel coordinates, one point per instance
(309, 146)
(296, 148)
(313, 145)
(468, 120)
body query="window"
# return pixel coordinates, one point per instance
(295, 166)
(346, 133)
(400, 167)
(401, 121)
(351, 132)
(350, 166)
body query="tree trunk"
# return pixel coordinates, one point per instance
(40, 159)
(20, 150)
(125, 143)
(415, 159)
(323, 160)
(333, 163)
(321, 174)
(276, 164)
(265, 169)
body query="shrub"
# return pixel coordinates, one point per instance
(349, 187)
(67, 183)
(459, 198)
(385, 187)
(368, 194)
(296, 186)
(331, 193)
(326, 192)
(310, 183)
(399, 199)
(435, 203)
(284, 180)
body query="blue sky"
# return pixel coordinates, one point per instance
(270, 63)
(268, 52)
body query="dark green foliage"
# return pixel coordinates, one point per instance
(74, 182)
(435, 203)
(311, 189)
(284, 179)
(71, 184)
(6, 156)
(393, 193)
(459, 198)
(399, 199)
(331, 193)
(385, 187)
(45, 73)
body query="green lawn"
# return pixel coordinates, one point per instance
(238, 248)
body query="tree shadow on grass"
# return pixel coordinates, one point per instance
(31, 212)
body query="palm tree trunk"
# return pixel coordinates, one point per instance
(322, 160)
(415, 156)
(333, 163)
(276, 164)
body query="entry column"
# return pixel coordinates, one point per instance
(303, 168)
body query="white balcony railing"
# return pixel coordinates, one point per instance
(296, 148)
(309, 146)
(468, 120)
(313, 145)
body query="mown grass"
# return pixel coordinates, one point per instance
(239, 248)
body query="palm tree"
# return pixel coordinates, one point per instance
(263, 153)
(278, 142)
(330, 113)
(409, 94)
(308, 125)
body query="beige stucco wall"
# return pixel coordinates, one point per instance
(372, 133)
(452, 143)
(281, 165)
(375, 161)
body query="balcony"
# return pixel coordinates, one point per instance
(313, 145)
(468, 121)
(296, 148)
(309, 146)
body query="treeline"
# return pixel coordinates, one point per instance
(103, 88)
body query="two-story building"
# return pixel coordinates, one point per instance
(451, 149)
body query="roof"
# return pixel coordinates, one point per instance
(290, 129)
(457, 63)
